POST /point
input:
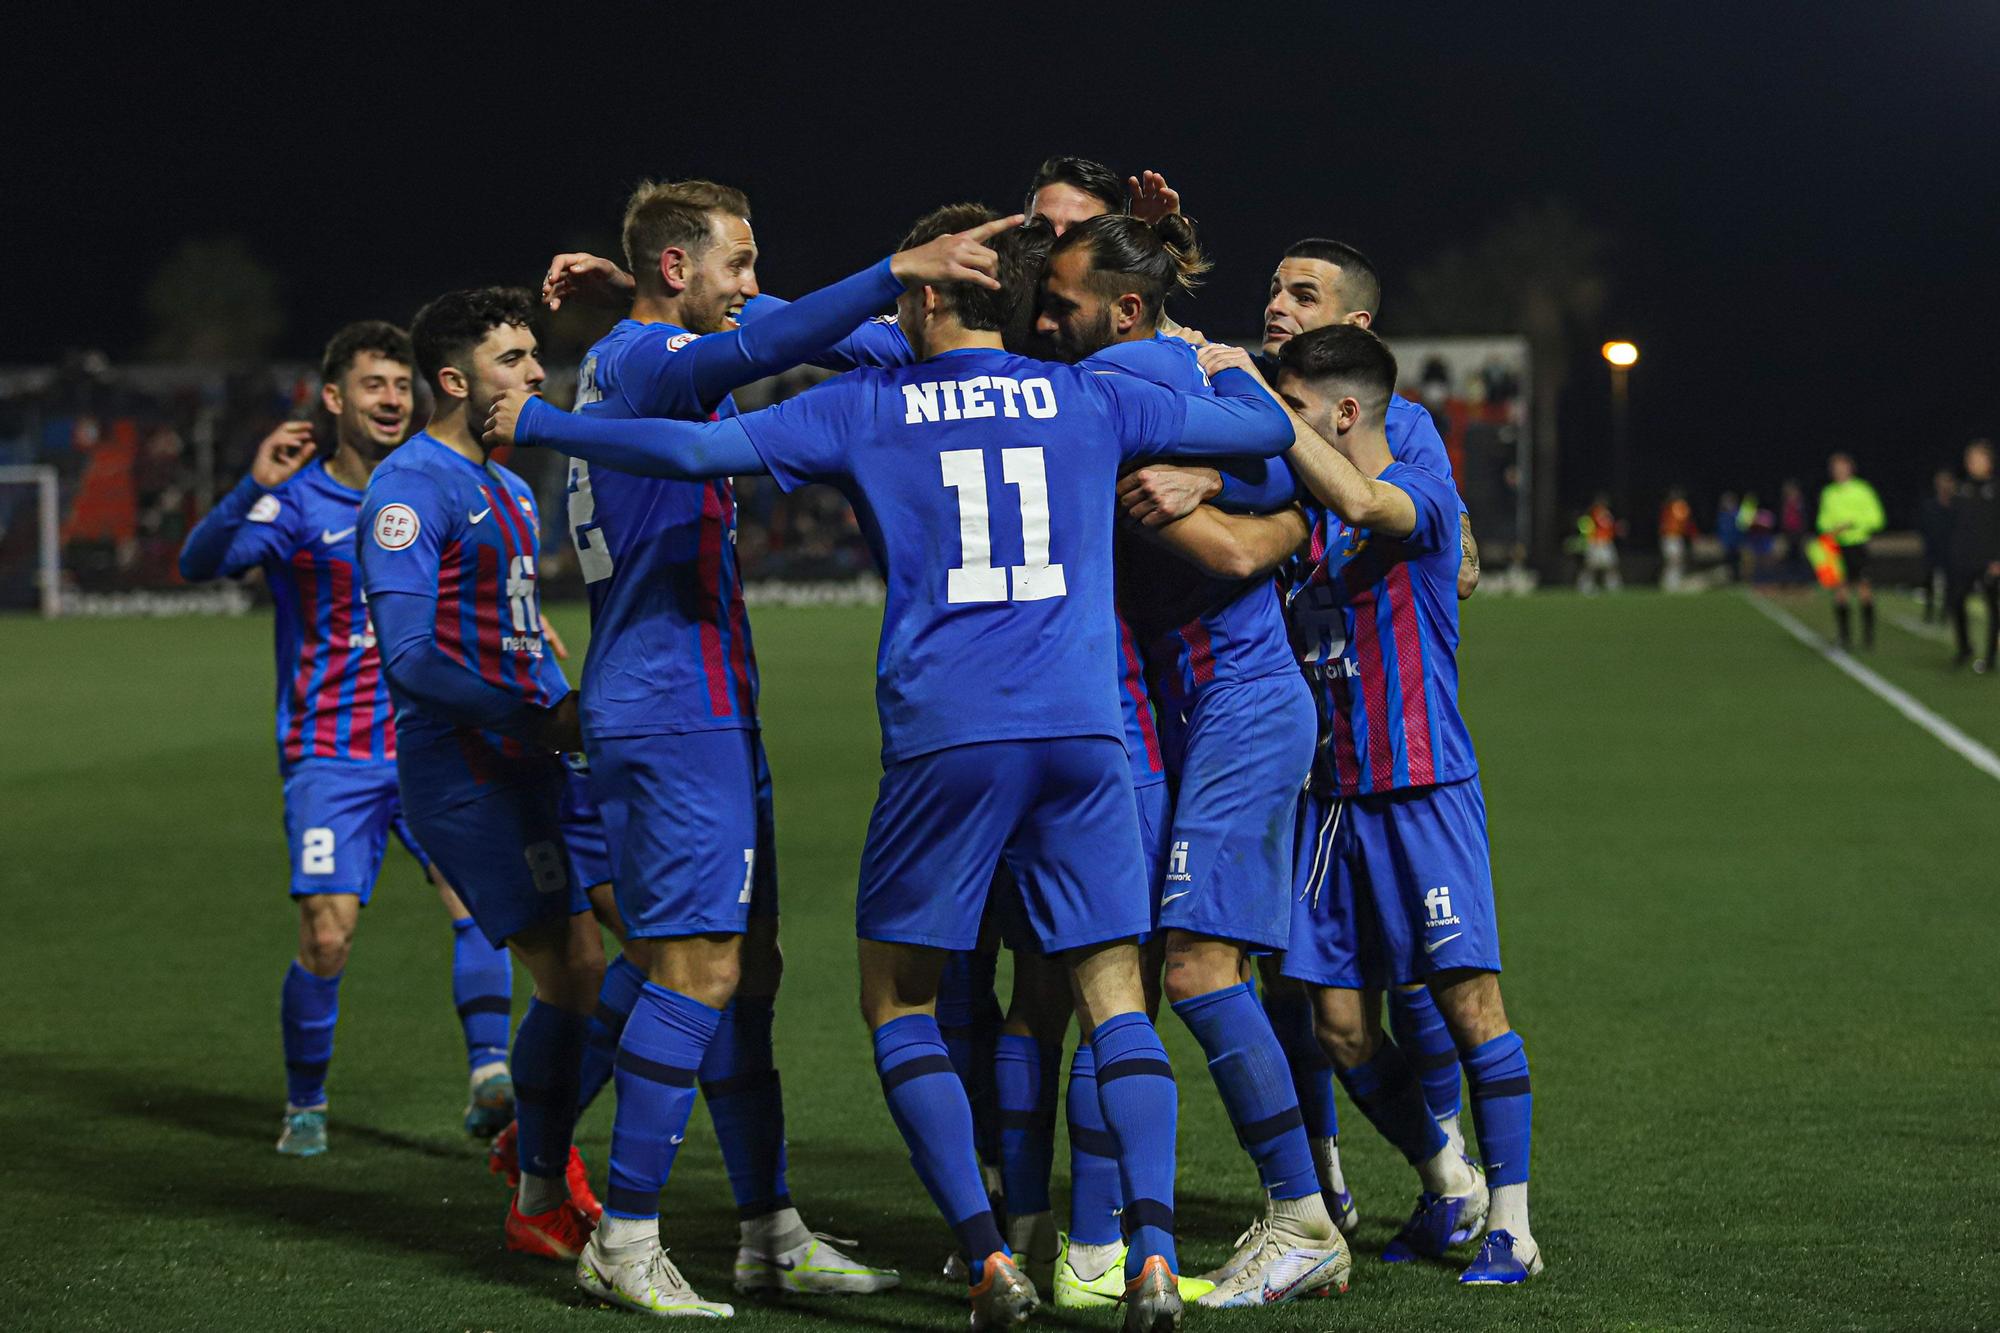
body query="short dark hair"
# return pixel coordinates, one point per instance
(1360, 285)
(1127, 255)
(445, 330)
(975, 306)
(364, 335)
(1093, 178)
(1343, 354)
(663, 215)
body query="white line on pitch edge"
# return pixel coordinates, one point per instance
(1967, 748)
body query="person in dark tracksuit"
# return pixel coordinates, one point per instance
(1975, 552)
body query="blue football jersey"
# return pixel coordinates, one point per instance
(1413, 437)
(333, 698)
(670, 647)
(984, 483)
(435, 523)
(1374, 622)
(1198, 631)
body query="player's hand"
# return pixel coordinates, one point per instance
(282, 453)
(555, 641)
(585, 277)
(1152, 197)
(1192, 337)
(505, 417)
(1155, 496)
(1218, 357)
(557, 728)
(962, 256)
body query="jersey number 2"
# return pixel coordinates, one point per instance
(976, 579)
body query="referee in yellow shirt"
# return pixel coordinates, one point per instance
(1850, 512)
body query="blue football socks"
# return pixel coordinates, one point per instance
(659, 1055)
(1256, 1085)
(1135, 1089)
(1419, 1029)
(739, 1081)
(615, 999)
(548, 1057)
(1502, 1107)
(307, 1012)
(1095, 1192)
(1025, 1084)
(928, 1103)
(1385, 1089)
(1290, 1010)
(482, 986)
(969, 1017)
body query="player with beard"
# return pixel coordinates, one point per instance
(1405, 892)
(1319, 283)
(448, 558)
(1235, 725)
(293, 516)
(677, 760)
(1040, 775)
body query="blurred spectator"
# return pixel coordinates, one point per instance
(1599, 528)
(1760, 538)
(1729, 531)
(1676, 532)
(1792, 531)
(1934, 525)
(1975, 552)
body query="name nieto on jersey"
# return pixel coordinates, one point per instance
(977, 397)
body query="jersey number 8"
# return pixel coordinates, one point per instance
(976, 579)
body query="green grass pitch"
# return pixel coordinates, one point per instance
(1749, 914)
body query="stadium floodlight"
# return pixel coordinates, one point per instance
(48, 542)
(1621, 354)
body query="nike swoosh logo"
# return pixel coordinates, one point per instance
(331, 537)
(1170, 897)
(481, 514)
(1432, 946)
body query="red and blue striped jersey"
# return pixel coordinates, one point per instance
(1198, 631)
(1374, 625)
(332, 697)
(437, 524)
(670, 647)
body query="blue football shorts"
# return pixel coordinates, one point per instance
(1402, 889)
(1229, 857)
(688, 826)
(1155, 813)
(583, 828)
(1059, 813)
(338, 818)
(502, 849)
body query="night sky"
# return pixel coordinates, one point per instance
(1801, 199)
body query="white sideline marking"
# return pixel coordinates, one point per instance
(1967, 748)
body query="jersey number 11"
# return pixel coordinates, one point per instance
(975, 579)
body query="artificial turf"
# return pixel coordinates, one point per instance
(1748, 911)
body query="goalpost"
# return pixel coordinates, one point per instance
(48, 529)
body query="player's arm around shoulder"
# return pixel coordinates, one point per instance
(1382, 507)
(1234, 546)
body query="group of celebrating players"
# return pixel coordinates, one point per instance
(1157, 726)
